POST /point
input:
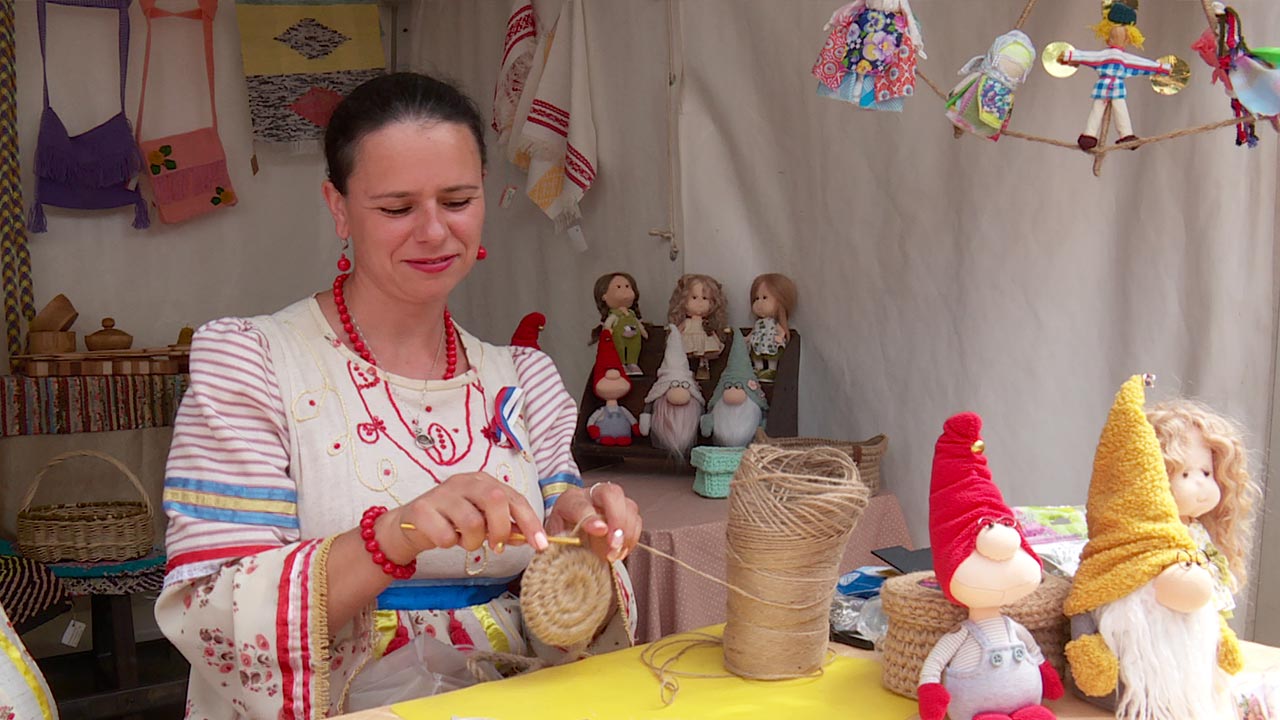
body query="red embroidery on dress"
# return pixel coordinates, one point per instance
(445, 452)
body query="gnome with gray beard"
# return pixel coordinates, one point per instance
(674, 404)
(738, 407)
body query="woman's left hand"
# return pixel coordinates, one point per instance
(610, 520)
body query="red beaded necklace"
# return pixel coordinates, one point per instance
(348, 325)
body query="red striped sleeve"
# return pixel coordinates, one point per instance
(550, 412)
(227, 483)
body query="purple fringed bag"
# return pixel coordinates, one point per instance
(92, 170)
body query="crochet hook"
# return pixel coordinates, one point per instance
(518, 538)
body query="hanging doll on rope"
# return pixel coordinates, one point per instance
(869, 57)
(1119, 28)
(983, 101)
(1250, 76)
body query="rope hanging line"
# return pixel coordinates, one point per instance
(1100, 151)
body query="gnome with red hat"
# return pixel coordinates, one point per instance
(991, 668)
(612, 424)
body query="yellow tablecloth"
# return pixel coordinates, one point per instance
(618, 686)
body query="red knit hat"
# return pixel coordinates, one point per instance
(526, 334)
(962, 497)
(606, 359)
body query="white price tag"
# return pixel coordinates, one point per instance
(71, 636)
(508, 194)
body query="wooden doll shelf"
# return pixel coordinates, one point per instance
(780, 421)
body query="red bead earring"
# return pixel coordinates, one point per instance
(343, 263)
(482, 253)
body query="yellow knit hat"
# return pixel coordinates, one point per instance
(1134, 529)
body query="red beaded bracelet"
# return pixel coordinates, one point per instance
(399, 572)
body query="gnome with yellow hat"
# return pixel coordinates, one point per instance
(1147, 642)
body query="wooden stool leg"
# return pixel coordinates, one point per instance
(113, 638)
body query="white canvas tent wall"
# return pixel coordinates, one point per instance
(936, 275)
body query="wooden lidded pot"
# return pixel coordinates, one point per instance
(108, 338)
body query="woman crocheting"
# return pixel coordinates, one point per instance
(288, 578)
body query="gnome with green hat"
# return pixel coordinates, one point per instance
(738, 406)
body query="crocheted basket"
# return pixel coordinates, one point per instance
(866, 454)
(716, 466)
(85, 532)
(919, 615)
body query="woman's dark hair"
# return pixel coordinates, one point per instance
(393, 98)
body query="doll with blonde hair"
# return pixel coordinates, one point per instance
(1119, 29)
(1205, 457)
(698, 307)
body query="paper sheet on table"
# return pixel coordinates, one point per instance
(617, 686)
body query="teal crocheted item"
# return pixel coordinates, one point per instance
(716, 466)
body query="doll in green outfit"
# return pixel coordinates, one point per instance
(1205, 457)
(617, 298)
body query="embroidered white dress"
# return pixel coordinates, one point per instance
(284, 438)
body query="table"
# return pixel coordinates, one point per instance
(692, 528)
(1257, 659)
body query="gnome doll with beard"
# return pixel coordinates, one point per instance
(674, 404)
(612, 424)
(738, 406)
(990, 668)
(1147, 643)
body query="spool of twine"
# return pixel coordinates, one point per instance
(790, 516)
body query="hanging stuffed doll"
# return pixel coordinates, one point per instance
(617, 298)
(773, 299)
(991, 667)
(869, 57)
(983, 101)
(612, 424)
(1208, 468)
(1250, 76)
(1146, 639)
(1119, 29)
(673, 407)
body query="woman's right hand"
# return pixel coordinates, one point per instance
(467, 509)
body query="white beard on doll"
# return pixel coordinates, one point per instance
(735, 425)
(1168, 660)
(674, 428)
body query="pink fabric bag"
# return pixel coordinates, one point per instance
(188, 171)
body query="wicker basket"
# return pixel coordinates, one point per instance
(716, 466)
(866, 454)
(85, 532)
(919, 615)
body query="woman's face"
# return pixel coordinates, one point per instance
(699, 300)
(414, 208)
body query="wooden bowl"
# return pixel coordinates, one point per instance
(47, 342)
(57, 316)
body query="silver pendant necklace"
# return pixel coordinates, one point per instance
(420, 436)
